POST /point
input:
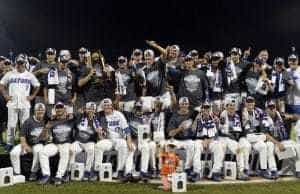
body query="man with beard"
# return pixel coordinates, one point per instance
(60, 136)
(97, 82)
(15, 86)
(87, 126)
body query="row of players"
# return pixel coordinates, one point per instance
(95, 132)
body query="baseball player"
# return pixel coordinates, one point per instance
(253, 137)
(180, 133)
(61, 134)
(118, 137)
(18, 83)
(205, 127)
(277, 138)
(32, 137)
(140, 123)
(230, 131)
(86, 127)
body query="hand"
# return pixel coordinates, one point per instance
(26, 148)
(151, 42)
(44, 70)
(30, 98)
(247, 52)
(206, 143)
(46, 100)
(49, 125)
(170, 89)
(92, 72)
(130, 147)
(8, 98)
(73, 101)
(281, 147)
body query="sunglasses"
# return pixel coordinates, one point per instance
(20, 62)
(272, 107)
(205, 107)
(121, 61)
(60, 106)
(234, 53)
(250, 100)
(50, 53)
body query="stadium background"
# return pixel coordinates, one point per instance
(119, 26)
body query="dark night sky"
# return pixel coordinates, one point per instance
(119, 26)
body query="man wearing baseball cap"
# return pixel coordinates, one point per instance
(118, 137)
(206, 128)
(179, 130)
(16, 88)
(277, 138)
(293, 94)
(33, 136)
(61, 134)
(87, 129)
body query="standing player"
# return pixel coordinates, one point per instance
(61, 131)
(32, 137)
(118, 137)
(18, 82)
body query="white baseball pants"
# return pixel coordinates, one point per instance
(125, 157)
(14, 115)
(51, 150)
(217, 151)
(78, 147)
(17, 152)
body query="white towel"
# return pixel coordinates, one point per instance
(53, 77)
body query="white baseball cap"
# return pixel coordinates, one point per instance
(91, 105)
(183, 100)
(39, 106)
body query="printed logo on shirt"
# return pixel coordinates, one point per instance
(192, 83)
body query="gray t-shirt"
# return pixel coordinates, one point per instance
(65, 88)
(175, 121)
(31, 130)
(62, 131)
(129, 82)
(193, 85)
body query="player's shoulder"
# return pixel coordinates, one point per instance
(118, 113)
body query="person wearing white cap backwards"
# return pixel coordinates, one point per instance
(61, 135)
(86, 127)
(33, 138)
(18, 96)
(179, 130)
(118, 137)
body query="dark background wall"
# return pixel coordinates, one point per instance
(119, 26)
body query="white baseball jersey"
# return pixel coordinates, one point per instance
(117, 125)
(19, 86)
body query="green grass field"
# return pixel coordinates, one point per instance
(113, 188)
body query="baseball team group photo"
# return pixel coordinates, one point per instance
(112, 97)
